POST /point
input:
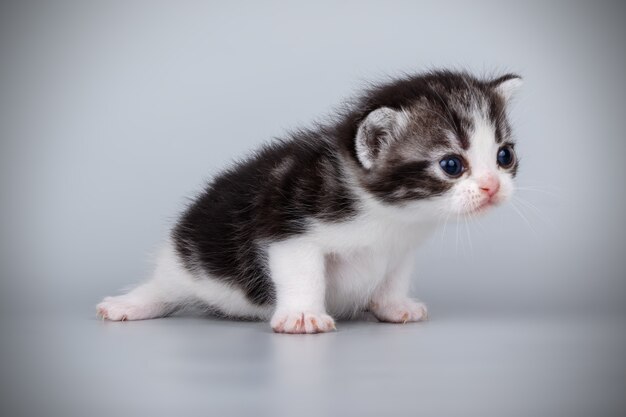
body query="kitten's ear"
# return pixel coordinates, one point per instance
(375, 133)
(507, 85)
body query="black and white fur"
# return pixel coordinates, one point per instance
(325, 223)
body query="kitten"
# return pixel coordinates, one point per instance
(324, 223)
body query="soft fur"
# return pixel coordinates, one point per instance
(324, 223)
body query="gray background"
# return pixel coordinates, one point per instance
(113, 113)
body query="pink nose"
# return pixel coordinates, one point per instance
(489, 184)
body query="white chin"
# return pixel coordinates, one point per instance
(481, 209)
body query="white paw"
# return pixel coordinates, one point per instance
(399, 311)
(122, 308)
(302, 322)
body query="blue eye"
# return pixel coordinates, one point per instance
(506, 157)
(452, 165)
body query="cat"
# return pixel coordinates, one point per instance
(325, 223)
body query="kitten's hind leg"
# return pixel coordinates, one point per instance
(164, 293)
(144, 302)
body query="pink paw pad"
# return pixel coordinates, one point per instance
(302, 323)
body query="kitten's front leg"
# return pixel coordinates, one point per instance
(297, 269)
(390, 302)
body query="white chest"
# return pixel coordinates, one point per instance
(358, 257)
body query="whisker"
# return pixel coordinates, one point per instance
(474, 218)
(440, 223)
(535, 210)
(519, 212)
(540, 186)
(538, 190)
(456, 246)
(445, 224)
(469, 239)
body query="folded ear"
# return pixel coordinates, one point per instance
(375, 133)
(507, 85)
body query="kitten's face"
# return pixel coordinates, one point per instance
(451, 151)
(476, 177)
(479, 177)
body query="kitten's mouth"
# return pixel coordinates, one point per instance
(484, 206)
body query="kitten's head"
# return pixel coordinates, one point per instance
(441, 140)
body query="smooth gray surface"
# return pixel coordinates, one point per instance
(112, 112)
(450, 366)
